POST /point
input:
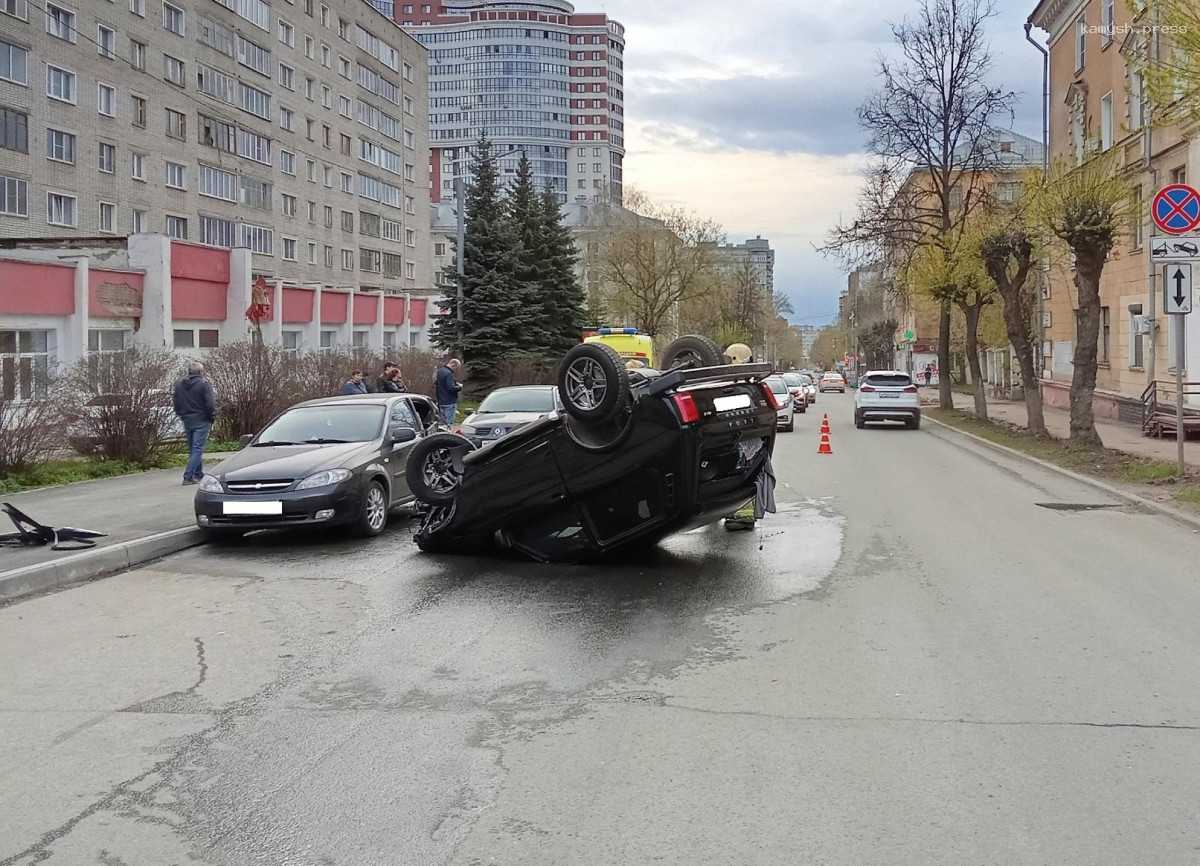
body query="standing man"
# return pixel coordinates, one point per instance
(354, 385)
(928, 374)
(196, 408)
(446, 388)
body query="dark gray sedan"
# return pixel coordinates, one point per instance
(334, 462)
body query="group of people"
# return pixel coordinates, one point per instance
(445, 383)
(390, 381)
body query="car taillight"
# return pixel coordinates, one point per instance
(911, 389)
(688, 411)
(770, 395)
(865, 388)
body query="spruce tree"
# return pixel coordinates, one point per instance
(493, 312)
(563, 296)
(533, 272)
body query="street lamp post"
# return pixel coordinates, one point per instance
(460, 205)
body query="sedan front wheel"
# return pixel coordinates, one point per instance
(374, 515)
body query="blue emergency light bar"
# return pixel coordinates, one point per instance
(606, 332)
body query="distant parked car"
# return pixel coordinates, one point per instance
(832, 381)
(787, 408)
(508, 409)
(798, 387)
(887, 395)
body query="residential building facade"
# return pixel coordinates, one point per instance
(535, 77)
(293, 133)
(1099, 104)
(758, 254)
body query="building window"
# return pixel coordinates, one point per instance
(25, 361)
(173, 20)
(410, 238)
(348, 221)
(287, 34)
(287, 118)
(137, 221)
(60, 22)
(259, 239)
(288, 204)
(289, 249)
(105, 346)
(14, 130)
(176, 124)
(14, 63)
(347, 260)
(217, 183)
(137, 55)
(439, 249)
(106, 158)
(1106, 121)
(176, 175)
(14, 196)
(1080, 43)
(255, 193)
(106, 97)
(287, 76)
(217, 232)
(60, 146)
(138, 7)
(410, 271)
(177, 227)
(106, 42)
(137, 166)
(287, 162)
(1105, 335)
(347, 183)
(15, 8)
(184, 338)
(327, 340)
(1108, 26)
(292, 341)
(60, 84)
(1179, 175)
(173, 70)
(1136, 344)
(60, 209)
(138, 104)
(108, 217)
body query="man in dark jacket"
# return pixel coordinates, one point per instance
(446, 388)
(354, 385)
(196, 408)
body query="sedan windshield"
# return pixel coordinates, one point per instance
(519, 400)
(778, 386)
(795, 380)
(324, 424)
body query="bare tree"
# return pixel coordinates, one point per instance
(930, 127)
(252, 385)
(655, 259)
(29, 428)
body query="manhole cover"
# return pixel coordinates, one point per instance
(1075, 506)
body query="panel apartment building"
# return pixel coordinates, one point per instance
(1099, 104)
(536, 77)
(295, 131)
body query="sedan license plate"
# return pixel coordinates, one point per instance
(252, 508)
(728, 404)
(890, 396)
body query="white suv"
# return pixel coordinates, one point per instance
(887, 395)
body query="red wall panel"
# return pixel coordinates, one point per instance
(418, 311)
(37, 289)
(198, 299)
(333, 307)
(199, 263)
(364, 309)
(298, 305)
(393, 311)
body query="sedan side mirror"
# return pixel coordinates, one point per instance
(245, 439)
(401, 435)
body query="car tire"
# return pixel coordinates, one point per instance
(859, 421)
(692, 350)
(373, 517)
(434, 468)
(593, 383)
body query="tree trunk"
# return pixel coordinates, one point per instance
(1089, 266)
(971, 313)
(945, 394)
(1016, 325)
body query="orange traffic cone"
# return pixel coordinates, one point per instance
(825, 423)
(825, 448)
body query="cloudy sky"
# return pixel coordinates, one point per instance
(745, 112)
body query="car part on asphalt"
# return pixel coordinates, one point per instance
(31, 533)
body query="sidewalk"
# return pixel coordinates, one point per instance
(1121, 437)
(130, 509)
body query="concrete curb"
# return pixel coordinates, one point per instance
(1183, 517)
(98, 562)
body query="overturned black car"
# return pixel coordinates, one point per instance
(636, 456)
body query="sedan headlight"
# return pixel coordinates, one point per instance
(211, 484)
(324, 479)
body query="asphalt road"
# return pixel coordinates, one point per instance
(913, 663)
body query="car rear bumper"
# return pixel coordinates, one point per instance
(300, 508)
(886, 412)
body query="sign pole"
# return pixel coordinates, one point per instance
(1180, 434)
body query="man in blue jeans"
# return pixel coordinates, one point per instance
(446, 388)
(196, 408)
